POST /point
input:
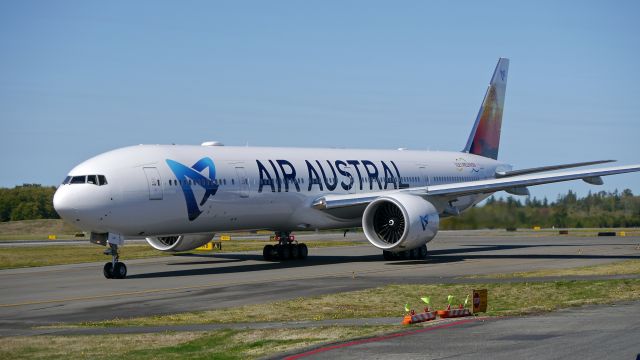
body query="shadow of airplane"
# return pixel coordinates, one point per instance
(435, 257)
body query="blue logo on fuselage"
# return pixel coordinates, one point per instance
(189, 176)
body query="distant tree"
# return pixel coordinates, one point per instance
(602, 209)
(27, 202)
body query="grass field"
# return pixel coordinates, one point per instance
(37, 229)
(222, 344)
(30, 256)
(627, 267)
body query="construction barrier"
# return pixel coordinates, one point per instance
(453, 313)
(418, 318)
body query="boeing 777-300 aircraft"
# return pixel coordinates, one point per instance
(178, 197)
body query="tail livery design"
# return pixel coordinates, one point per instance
(484, 139)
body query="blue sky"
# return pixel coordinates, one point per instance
(78, 78)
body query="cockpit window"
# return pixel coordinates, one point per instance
(78, 180)
(97, 180)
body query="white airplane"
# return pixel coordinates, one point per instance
(178, 196)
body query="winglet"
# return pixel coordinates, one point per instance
(484, 139)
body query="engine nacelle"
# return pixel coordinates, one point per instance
(399, 222)
(176, 243)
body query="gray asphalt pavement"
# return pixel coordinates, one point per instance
(598, 332)
(72, 293)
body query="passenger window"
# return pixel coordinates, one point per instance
(78, 180)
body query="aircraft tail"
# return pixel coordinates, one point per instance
(484, 139)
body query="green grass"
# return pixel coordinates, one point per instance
(388, 301)
(573, 232)
(627, 267)
(30, 256)
(221, 344)
(37, 229)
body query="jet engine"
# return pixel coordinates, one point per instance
(176, 243)
(400, 222)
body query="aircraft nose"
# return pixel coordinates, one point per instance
(63, 203)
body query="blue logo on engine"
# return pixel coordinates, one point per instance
(189, 176)
(424, 220)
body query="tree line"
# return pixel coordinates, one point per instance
(600, 209)
(596, 210)
(27, 202)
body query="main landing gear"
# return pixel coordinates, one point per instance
(114, 269)
(419, 253)
(286, 248)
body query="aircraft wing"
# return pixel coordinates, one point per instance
(502, 174)
(454, 190)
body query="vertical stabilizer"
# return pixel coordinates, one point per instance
(484, 139)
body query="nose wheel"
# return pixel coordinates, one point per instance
(286, 249)
(114, 269)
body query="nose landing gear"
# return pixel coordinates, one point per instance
(286, 248)
(114, 269)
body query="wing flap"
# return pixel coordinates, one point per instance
(502, 174)
(493, 185)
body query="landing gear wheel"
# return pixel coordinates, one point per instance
(423, 251)
(295, 251)
(303, 251)
(267, 252)
(120, 271)
(114, 269)
(286, 248)
(108, 270)
(286, 252)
